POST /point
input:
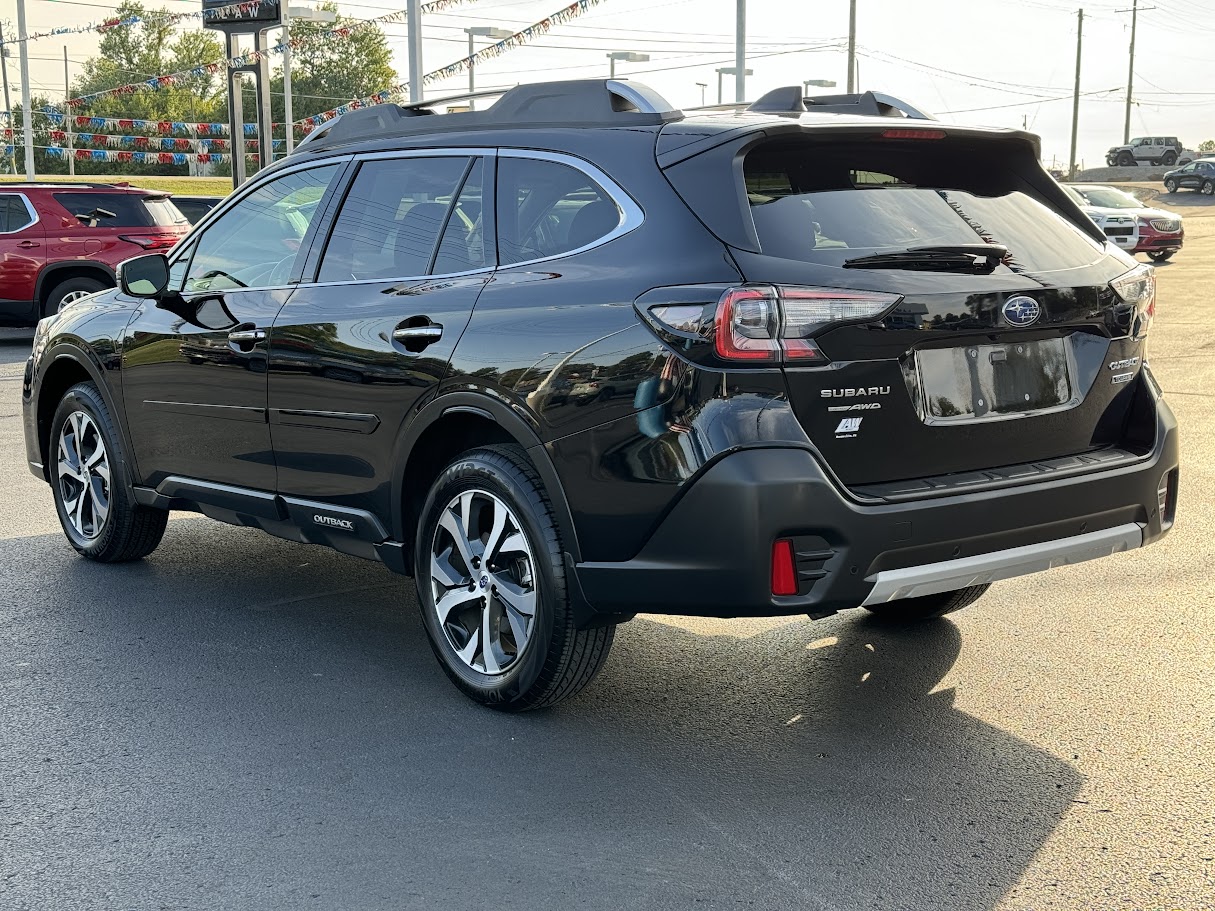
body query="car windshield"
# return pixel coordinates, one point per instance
(1107, 198)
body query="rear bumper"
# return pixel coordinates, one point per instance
(710, 555)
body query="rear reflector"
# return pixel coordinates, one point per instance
(784, 572)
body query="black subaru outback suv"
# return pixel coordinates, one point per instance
(580, 355)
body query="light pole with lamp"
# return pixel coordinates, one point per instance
(728, 71)
(308, 14)
(703, 86)
(627, 57)
(480, 31)
(819, 83)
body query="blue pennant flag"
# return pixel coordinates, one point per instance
(98, 155)
(179, 158)
(140, 157)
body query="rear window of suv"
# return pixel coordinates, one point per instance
(131, 210)
(827, 203)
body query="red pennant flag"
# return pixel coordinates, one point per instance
(126, 124)
(164, 126)
(124, 156)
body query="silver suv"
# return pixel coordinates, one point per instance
(1153, 150)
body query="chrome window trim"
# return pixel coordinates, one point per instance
(29, 210)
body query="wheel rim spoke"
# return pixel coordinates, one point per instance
(490, 639)
(84, 475)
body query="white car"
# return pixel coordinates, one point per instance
(1128, 223)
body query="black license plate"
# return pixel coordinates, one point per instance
(994, 381)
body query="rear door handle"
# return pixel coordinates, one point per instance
(28, 244)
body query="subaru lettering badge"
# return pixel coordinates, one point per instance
(1021, 311)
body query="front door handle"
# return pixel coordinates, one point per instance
(424, 334)
(244, 339)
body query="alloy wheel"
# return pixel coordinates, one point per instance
(72, 296)
(483, 582)
(84, 475)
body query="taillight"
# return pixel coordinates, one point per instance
(1138, 287)
(771, 323)
(151, 241)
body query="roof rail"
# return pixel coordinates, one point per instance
(577, 102)
(790, 100)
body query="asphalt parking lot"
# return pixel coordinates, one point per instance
(240, 722)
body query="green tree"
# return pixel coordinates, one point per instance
(1208, 146)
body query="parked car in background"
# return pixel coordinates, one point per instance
(195, 207)
(1149, 150)
(1128, 223)
(1197, 175)
(60, 242)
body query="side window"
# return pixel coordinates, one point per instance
(390, 221)
(13, 214)
(254, 243)
(463, 246)
(546, 208)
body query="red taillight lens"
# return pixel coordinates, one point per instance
(748, 321)
(1138, 287)
(151, 241)
(784, 570)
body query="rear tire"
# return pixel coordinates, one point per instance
(490, 572)
(96, 508)
(68, 290)
(1170, 186)
(1159, 256)
(1126, 159)
(927, 607)
(1208, 188)
(1169, 159)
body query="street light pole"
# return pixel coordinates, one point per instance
(627, 57)
(26, 114)
(480, 31)
(740, 52)
(851, 44)
(288, 112)
(8, 105)
(67, 96)
(702, 86)
(413, 13)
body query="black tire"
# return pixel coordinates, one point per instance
(557, 660)
(1170, 186)
(1169, 159)
(1159, 256)
(928, 607)
(1126, 159)
(128, 531)
(1208, 188)
(69, 286)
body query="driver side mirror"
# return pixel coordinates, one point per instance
(144, 276)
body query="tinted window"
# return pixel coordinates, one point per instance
(254, 243)
(828, 204)
(390, 222)
(546, 208)
(463, 245)
(194, 209)
(13, 214)
(130, 210)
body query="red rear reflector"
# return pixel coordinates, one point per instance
(784, 572)
(913, 134)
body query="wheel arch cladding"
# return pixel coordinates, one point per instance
(454, 423)
(64, 372)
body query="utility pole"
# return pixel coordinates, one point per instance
(851, 45)
(413, 20)
(27, 116)
(1130, 76)
(740, 53)
(8, 105)
(67, 123)
(1071, 170)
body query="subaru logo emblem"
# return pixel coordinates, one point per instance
(484, 581)
(1021, 311)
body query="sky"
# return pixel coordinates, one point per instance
(993, 62)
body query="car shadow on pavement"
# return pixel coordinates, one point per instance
(242, 722)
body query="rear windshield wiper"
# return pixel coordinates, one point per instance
(943, 258)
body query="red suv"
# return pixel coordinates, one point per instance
(59, 242)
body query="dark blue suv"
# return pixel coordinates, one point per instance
(581, 355)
